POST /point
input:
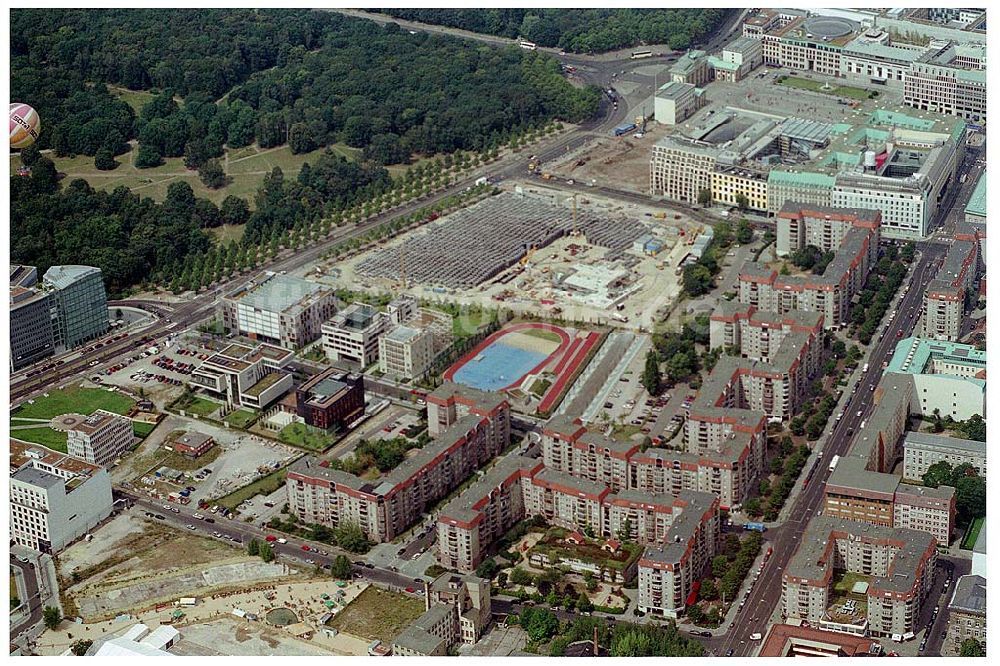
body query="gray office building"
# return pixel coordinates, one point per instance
(79, 304)
(30, 320)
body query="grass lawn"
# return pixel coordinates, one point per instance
(196, 405)
(47, 437)
(301, 435)
(264, 486)
(227, 232)
(241, 417)
(74, 400)
(817, 86)
(14, 600)
(551, 336)
(971, 534)
(467, 323)
(378, 614)
(842, 585)
(134, 98)
(142, 430)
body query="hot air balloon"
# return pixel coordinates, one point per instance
(24, 125)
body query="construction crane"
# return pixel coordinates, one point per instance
(527, 255)
(402, 265)
(576, 229)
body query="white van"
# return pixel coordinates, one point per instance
(282, 541)
(756, 636)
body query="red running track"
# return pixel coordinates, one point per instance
(557, 387)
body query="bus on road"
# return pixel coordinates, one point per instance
(636, 55)
(525, 44)
(833, 462)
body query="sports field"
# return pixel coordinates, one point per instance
(503, 359)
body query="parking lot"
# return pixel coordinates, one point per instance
(236, 460)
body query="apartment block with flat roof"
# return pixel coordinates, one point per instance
(949, 78)
(899, 561)
(863, 488)
(280, 309)
(921, 450)
(852, 234)
(353, 334)
(945, 297)
(405, 352)
(54, 498)
(101, 438)
(79, 304)
(387, 506)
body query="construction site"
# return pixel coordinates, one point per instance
(539, 250)
(618, 162)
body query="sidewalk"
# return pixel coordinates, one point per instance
(734, 607)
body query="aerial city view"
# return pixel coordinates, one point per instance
(498, 332)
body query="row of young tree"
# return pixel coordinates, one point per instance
(271, 77)
(579, 30)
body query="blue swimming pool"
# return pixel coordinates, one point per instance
(497, 366)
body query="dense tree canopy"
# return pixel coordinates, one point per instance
(303, 77)
(579, 30)
(128, 238)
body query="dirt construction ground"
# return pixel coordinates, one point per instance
(617, 162)
(134, 562)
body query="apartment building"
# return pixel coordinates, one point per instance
(353, 334)
(862, 488)
(947, 376)
(280, 309)
(30, 319)
(667, 571)
(386, 507)
(733, 185)
(54, 498)
(245, 376)
(921, 450)
(768, 336)
(405, 352)
(856, 250)
(569, 447)
(329, 400)
(681, 532)
(899, 561)
(101, 438)
(945, 297)
(79, 304)
(458, 609)
(450, 402)
(968, 613)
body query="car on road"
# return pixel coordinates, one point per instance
(730, 652)
(175, 509)
(217, 535)
(191, 527)
(369, 565)
(310, 561)
(198, 516)
(160, 517)
(306, 548)
(859, 414)
(411, 590)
